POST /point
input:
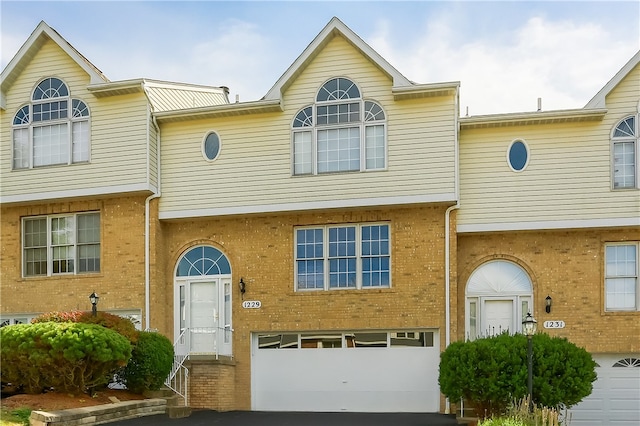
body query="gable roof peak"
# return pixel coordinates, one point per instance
(333, 28)
(599, 100)
(40, 35)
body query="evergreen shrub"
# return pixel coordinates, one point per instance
(492, 372)
(66, 356)
(150, 363)
(113, 322)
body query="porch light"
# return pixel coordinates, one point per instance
(242, 287)
(547, 304)
(94, 303)
(529, 325)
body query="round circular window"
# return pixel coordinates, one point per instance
(518, 155)
(211, 146)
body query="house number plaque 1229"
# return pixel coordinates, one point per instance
(251, 304)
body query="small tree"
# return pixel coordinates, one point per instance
(150, 363)
(491, 373)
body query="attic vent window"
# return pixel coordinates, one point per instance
(518, 156)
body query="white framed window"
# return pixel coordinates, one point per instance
(347, 340)
(355, 256)
(624, 153)
(52, 129)
(518, 155)
(211, 146)
(61, 244)
(621, 277)
(340, 132)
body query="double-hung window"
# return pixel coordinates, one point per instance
(61, 244)
(52, 129)
(625, 141)
(343, 257)
(340, 132)
(621, 277)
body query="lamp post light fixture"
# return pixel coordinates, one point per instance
(94, 303)
(529, 325)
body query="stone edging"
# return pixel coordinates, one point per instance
(99, 414)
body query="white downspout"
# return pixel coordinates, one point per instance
(147, 220)
(447, 239)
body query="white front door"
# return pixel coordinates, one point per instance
(203, 316)
(498, 317)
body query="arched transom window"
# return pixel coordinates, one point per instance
(340, 132)
(624, 140)
(51, 129)
(203, 261)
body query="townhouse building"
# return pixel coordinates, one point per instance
(317, 249)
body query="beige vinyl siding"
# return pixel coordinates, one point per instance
(254, 166)
(118, 133)
(568, 177)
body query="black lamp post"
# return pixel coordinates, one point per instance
(94, 303)
(529, 326)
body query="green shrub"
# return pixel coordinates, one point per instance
(113, 322)
(65, 356)
(492, 372)
(150, 364)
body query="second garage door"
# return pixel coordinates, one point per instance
(615, 399)
(358, 372)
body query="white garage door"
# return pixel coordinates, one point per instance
(359, 372)
(615, 399)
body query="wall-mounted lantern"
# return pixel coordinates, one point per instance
(547, 304)
(243, 287)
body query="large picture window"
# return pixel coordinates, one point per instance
(621, 277)
(52, 129)
(61, 244)
(624, 140)
(343, 257)
(340, 132)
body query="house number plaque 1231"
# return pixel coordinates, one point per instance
(553, 324)
(251, 304)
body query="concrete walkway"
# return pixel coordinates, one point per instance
(271, 418)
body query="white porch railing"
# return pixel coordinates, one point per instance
(199, 340)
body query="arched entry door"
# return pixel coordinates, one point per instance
(202, 301)
(499, 294)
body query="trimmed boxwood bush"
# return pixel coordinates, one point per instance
(65, 356)
(491, 373)
(150, 364)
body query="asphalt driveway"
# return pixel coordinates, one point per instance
(271, 418)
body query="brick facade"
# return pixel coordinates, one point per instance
(120, 282)
(567, 265)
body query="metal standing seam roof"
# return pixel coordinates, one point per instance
(166, 96)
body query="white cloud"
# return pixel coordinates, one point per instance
(563, 62)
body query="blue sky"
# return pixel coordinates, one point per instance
(506, 54)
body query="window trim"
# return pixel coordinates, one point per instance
(636, 308)
(527, 150)
(25, 115)
(203, 146)
(359, 272)
(310, 125)
(635, 140)
(49, 245)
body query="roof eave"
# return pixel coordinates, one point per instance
(227, 110)
(416, 91)
(529, 118)
(114, 88)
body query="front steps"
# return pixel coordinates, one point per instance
(175, 408)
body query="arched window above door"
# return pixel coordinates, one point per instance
(499, 277)
(203, 261)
